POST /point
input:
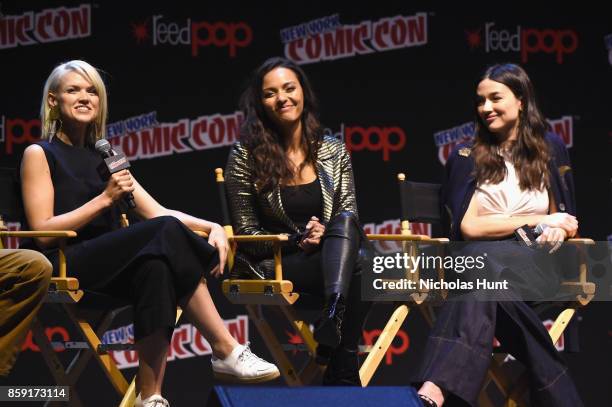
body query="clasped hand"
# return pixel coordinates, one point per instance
(560, 226)
(312, 236)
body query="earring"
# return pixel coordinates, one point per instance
(54, 113)
(54, 118)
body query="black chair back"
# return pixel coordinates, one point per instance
(11, 206)
(420, 201)
(222, 197)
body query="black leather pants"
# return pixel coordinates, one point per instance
(336, 268)
(339, 253)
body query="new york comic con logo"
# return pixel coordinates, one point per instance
(447, 140)
(326, 39)
(48, 25)
(527, 41)
(196, 34)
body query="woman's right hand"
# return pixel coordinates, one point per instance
(313, 235)
(119, 185)
(562, 220)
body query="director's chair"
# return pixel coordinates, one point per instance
(65, 291)
(420, 202)
(279, 293)
(576, 293)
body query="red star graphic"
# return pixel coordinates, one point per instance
(140, 31)
(473, 38)
(294, 339)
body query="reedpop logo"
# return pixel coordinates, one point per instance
(373, 138)
(220, 34)
(524, 40)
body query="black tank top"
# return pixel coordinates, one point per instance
(76, 180)
(302, 201)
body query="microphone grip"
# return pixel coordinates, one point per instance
(129, 200)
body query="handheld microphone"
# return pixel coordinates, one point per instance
(539, 229)
(113, 162)
(525, 234)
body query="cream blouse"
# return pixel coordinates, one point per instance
(507, 198)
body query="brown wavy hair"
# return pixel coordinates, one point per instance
(529, 154)
(261, 136)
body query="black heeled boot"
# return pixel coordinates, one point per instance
(328, 328)
(343, 368)
(323, 355)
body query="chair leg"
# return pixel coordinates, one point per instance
(80, 361)
(106, 362)
(518, 392)
(286, 368)
(129, 398)
(561, 323)
(301, 328)
(383, 342)
(312, 369)
(483, 398)
(53, 363)
(496, 375)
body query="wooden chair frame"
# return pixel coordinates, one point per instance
(579, 293)
(255, 294)
(65, 291)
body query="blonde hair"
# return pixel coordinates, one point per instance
(49, 126)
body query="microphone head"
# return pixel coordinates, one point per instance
(540, 228)
(103, 147)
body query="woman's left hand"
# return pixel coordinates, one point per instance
(218, 239)
(553, 237)
(314, 233)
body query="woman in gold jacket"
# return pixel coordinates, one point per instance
(284, 176)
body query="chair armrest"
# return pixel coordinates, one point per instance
(249, 238)
(581, 241)
(259, 238)
(48, 233)
(406, 238)
(277, 241)
(62, 289)
(39, 233)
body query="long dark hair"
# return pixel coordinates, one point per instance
(261, 136)
(530, 153)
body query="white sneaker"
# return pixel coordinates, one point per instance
(244, 366)
(152, 401)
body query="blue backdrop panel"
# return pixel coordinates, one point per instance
(229, 396)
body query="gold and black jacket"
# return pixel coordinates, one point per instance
(256, 213)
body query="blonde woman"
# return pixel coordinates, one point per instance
(156, 264)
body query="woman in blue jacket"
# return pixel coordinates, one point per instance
(515, 173)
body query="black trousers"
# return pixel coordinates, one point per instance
(154, 265)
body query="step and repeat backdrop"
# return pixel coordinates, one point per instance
(395, 82)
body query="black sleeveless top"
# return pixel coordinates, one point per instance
(76, 180)
(300, 202)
